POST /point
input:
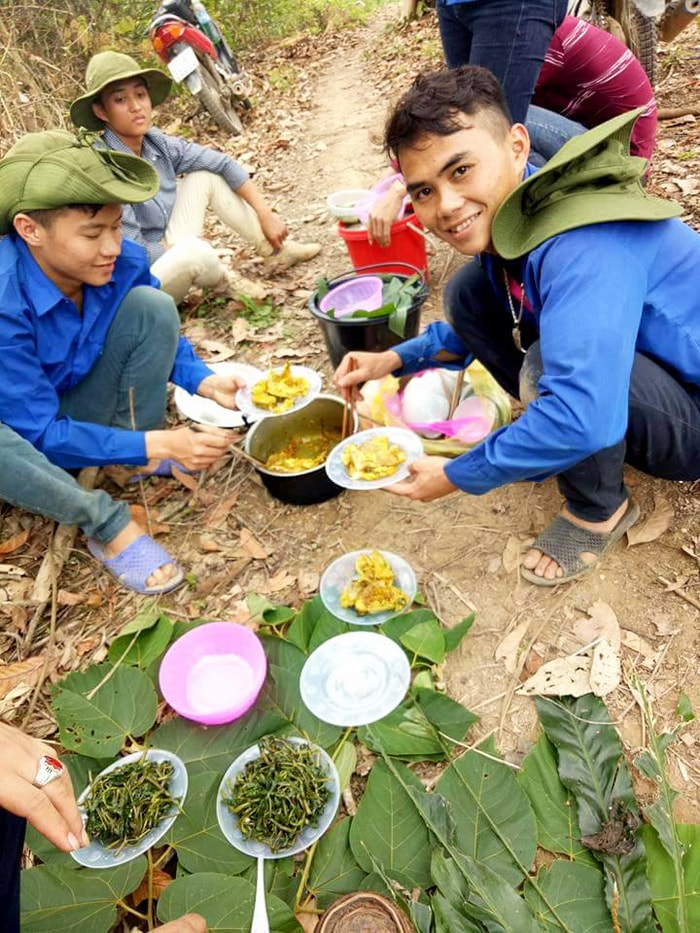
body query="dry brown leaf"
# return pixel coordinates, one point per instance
(160, 882)
(308, 581)
(561, 677)
(252, 546)
(279, 581)
(605, 667)
(86, 645)
(511, 554)
(66, 598)
(601, 623)
(13, 543)
(638, 644)
(307, 919)
(240, 330)
(665, 626)
(218, 513)
(187, 479)
(215, 352)
(654, 525)
(508, 649)
(140, 516)
(208, 544)
(24, 673)
(12, 570)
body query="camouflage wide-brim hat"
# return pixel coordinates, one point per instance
(106, 68)
(593, 179)
(55, 169)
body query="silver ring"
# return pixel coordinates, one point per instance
(48, 770)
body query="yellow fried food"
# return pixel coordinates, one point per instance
(303, 453)
(373, 459)
(277, 391)
(373, 590)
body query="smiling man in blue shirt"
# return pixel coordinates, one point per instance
(88, 341)
(579, 267)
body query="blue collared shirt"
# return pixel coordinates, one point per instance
(47, 347)
(170, 156)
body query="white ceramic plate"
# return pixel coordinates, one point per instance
(228, 821)
(245, 402)
(338, 574)
(205, 410)
(96, 855)
(407, 440)
(355, 679)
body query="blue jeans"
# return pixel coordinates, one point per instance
(548, 133)
(663, 431)
(127, 386)
(509, 37)
(29, 481)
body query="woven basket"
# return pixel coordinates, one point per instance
(364, 912)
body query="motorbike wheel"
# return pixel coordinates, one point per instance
(644, 34)
(212, 99)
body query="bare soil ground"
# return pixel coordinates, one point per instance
(319, 113)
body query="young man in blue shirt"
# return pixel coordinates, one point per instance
(579, 267)
(89, 343)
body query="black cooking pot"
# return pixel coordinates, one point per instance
(269, 435)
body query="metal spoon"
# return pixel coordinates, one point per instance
(261, 923)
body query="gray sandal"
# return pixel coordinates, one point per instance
(564, 542)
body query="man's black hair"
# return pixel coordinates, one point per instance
(46, 217)
(433, 104)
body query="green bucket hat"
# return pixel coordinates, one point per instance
(591, 180)
(107, 67)
(55, 169)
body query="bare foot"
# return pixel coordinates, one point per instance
(159, 577)
(543, 566)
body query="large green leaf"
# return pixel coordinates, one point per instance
(454, 635)
(591, 765)
(215, 747)
(281, 693)
(334, 870)
(577, 893)
(554, 806)
(388, 828)
(449, 919)
(56, 899)
(225, 903)
(426, 640)
(143, 640)
(494, 822)
(302, 628)
(96, 721)
(412, 730)
(401, 624)
(195, 834)
(662, 877)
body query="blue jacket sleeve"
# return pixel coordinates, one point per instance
(420, 352)
(589, 317)
(188, 369)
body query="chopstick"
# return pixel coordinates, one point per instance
(456, 392)
(348, 427)
(201, 428)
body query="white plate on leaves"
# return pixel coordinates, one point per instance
(409, 442)
(251, 411)
(206, 410)
(342, 571)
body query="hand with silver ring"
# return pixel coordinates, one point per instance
(36, 785)
(49, 769)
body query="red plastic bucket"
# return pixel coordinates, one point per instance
(407, 246)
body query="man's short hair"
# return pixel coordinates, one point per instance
(433, 104)
(47, 216)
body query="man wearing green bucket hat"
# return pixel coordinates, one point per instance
(583, 301)
(119, 100)
(89, 344)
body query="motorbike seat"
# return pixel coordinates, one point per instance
(180, 8)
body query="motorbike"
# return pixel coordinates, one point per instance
(640, 23)
(187, 39)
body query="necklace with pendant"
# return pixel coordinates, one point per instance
(517, 318)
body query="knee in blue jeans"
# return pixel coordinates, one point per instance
(530, 374)
(156, 309)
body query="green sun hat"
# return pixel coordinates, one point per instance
(55, 169)
(593, 179)
(107, 67)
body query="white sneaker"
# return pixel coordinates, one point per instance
(234, 285)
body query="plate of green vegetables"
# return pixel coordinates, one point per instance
(278, 797)
(128, 807)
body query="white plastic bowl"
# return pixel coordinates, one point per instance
(342, 204)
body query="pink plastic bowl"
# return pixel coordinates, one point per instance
(214, 673)
(363, 293)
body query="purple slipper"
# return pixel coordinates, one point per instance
(136, 563)
(164, 468)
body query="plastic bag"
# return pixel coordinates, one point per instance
(483, 408)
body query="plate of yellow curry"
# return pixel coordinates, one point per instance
(368, 587)
(373, 459)
(279, 391)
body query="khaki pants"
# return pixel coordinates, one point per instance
(191, 262)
